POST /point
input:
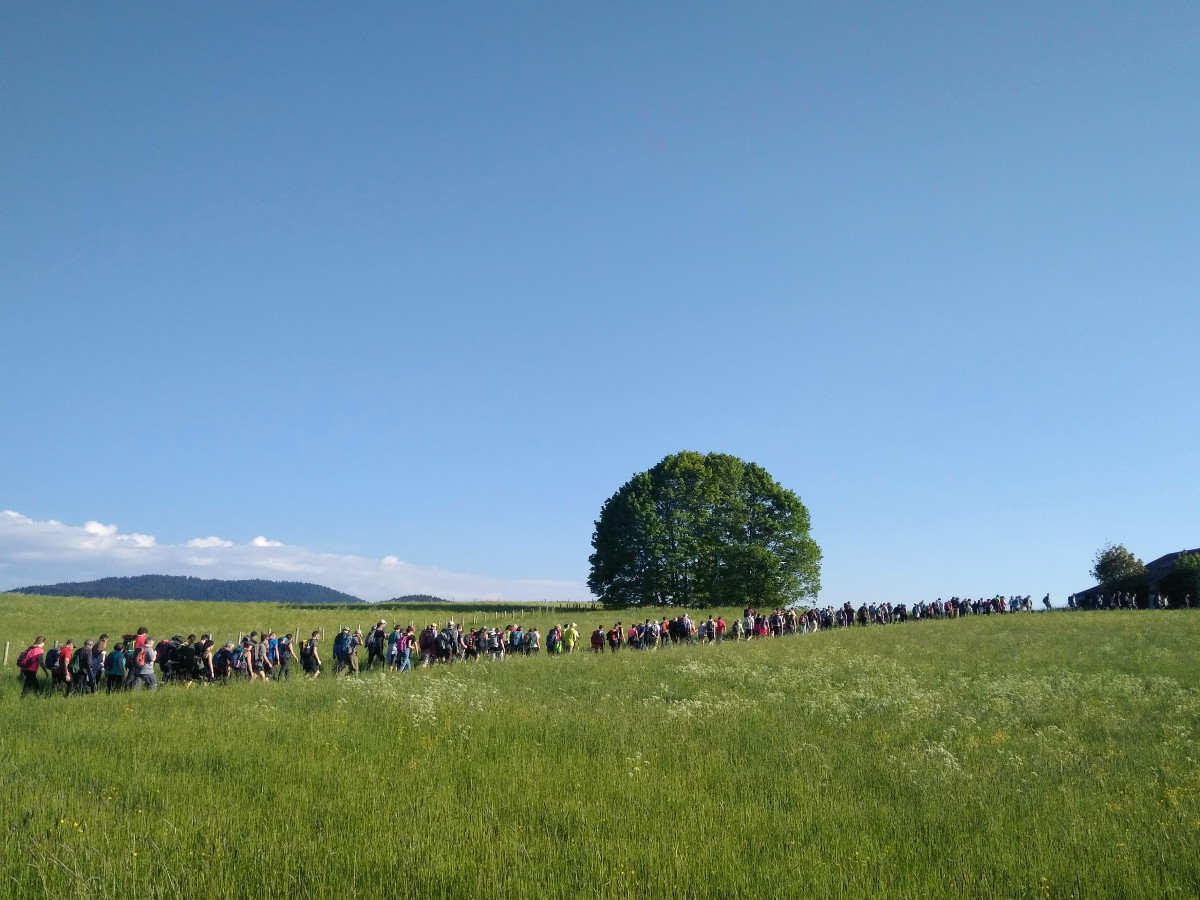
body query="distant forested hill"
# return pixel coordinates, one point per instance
(417, 598)
(185, 587)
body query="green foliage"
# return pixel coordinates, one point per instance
(1116, 569)
(1047, 755)
(699, 531)
(1183, 580)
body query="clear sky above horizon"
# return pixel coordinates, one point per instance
(393, 297)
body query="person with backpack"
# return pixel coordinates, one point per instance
(598, 639)
(495, 644)
(404, 650)
(283, 671)
(444, 643)
(29, 662)
(222, 661)
(352, 646)
(260, 666)
(83, 680)
(633, 638)
(203, 666)
(99, 652)
(426, 644)
(114, 669)
(162, 655)
(376, 639)
(311, 659)
(144, 658)
(341, 647)
(614, 637)
(393, 647)
(57, 662)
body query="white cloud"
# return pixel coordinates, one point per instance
(213, 541)
(33, 552)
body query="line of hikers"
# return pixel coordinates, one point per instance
(1127, 600)
(886, 613)
(130, 663)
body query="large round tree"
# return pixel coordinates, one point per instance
(703, 531)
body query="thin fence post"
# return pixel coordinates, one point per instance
(6, 653)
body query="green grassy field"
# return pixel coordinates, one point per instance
(1044, 755)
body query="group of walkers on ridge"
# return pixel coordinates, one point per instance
(139, 661)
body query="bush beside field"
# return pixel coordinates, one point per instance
(1042, 755)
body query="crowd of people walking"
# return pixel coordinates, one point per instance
(1126, 600)
(138, 660)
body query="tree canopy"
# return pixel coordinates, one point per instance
(703, 530)
(1118, 569)
(1183, 581)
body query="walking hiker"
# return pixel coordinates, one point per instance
(393, 647)
(310, 659)
(495, 644)
(143, 674)
(272, 653)
(58, 664)
(29, 662)
(114, 669)
(260, 666)
(352, 646)
(376, 638)
(83, 678)
(404, 647)
(99, 653)
(341, 649)
(286, 654)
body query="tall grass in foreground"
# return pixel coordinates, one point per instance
(1043, 755)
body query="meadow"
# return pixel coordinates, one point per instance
(1043, 755)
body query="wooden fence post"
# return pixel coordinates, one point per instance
(6, 653)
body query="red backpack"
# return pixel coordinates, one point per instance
(25, 658)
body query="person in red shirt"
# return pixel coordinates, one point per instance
(720, 629)
(29, 662)
(62, 669)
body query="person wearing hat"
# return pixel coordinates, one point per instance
(571, 638)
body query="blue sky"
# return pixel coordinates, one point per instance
(429, 282)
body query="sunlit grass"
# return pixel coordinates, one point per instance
(1042, 755)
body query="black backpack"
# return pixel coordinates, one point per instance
(50, 659)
